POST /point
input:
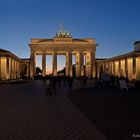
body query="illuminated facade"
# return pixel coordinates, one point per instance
(125, 65)
(12, 67)
(68, 46)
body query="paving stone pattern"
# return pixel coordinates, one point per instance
(26, 113)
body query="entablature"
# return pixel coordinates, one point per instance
(57, 40)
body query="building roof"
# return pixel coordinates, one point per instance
(122, 56)
(5, 53)
(136, 42)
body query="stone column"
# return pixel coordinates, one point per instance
(93, 65)
(103, 68)
(119, 69)
(114, 71)
(78, 72)
(134, 68)
(28, 69)
(14, 69)
(19, 72)
(20, 64)
(90, 64)
(111, 68)
(126, 68)
(54, 63)
(32, 65)
(69, 63)
(81, 64)
(97, 71)
(0, 68)
(17, 69)
(44, 64)
(11, 69)
(87, 65)
(3, 68)
(7, 69)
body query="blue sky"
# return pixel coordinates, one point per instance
(114, 23)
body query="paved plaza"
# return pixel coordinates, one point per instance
(26, 113)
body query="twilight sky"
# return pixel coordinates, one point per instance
(114, 23)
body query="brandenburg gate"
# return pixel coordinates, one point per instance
(63, 44)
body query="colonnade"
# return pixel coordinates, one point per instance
(79, 55)
(9, 68)
(126, 67)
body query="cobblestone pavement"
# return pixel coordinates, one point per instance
(26, 113)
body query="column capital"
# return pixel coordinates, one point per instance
(54, 52)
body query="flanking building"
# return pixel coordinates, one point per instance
(125, 65)
(13, 67)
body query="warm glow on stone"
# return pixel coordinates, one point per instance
(138, 68)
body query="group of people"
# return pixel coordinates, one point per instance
(53, 81)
